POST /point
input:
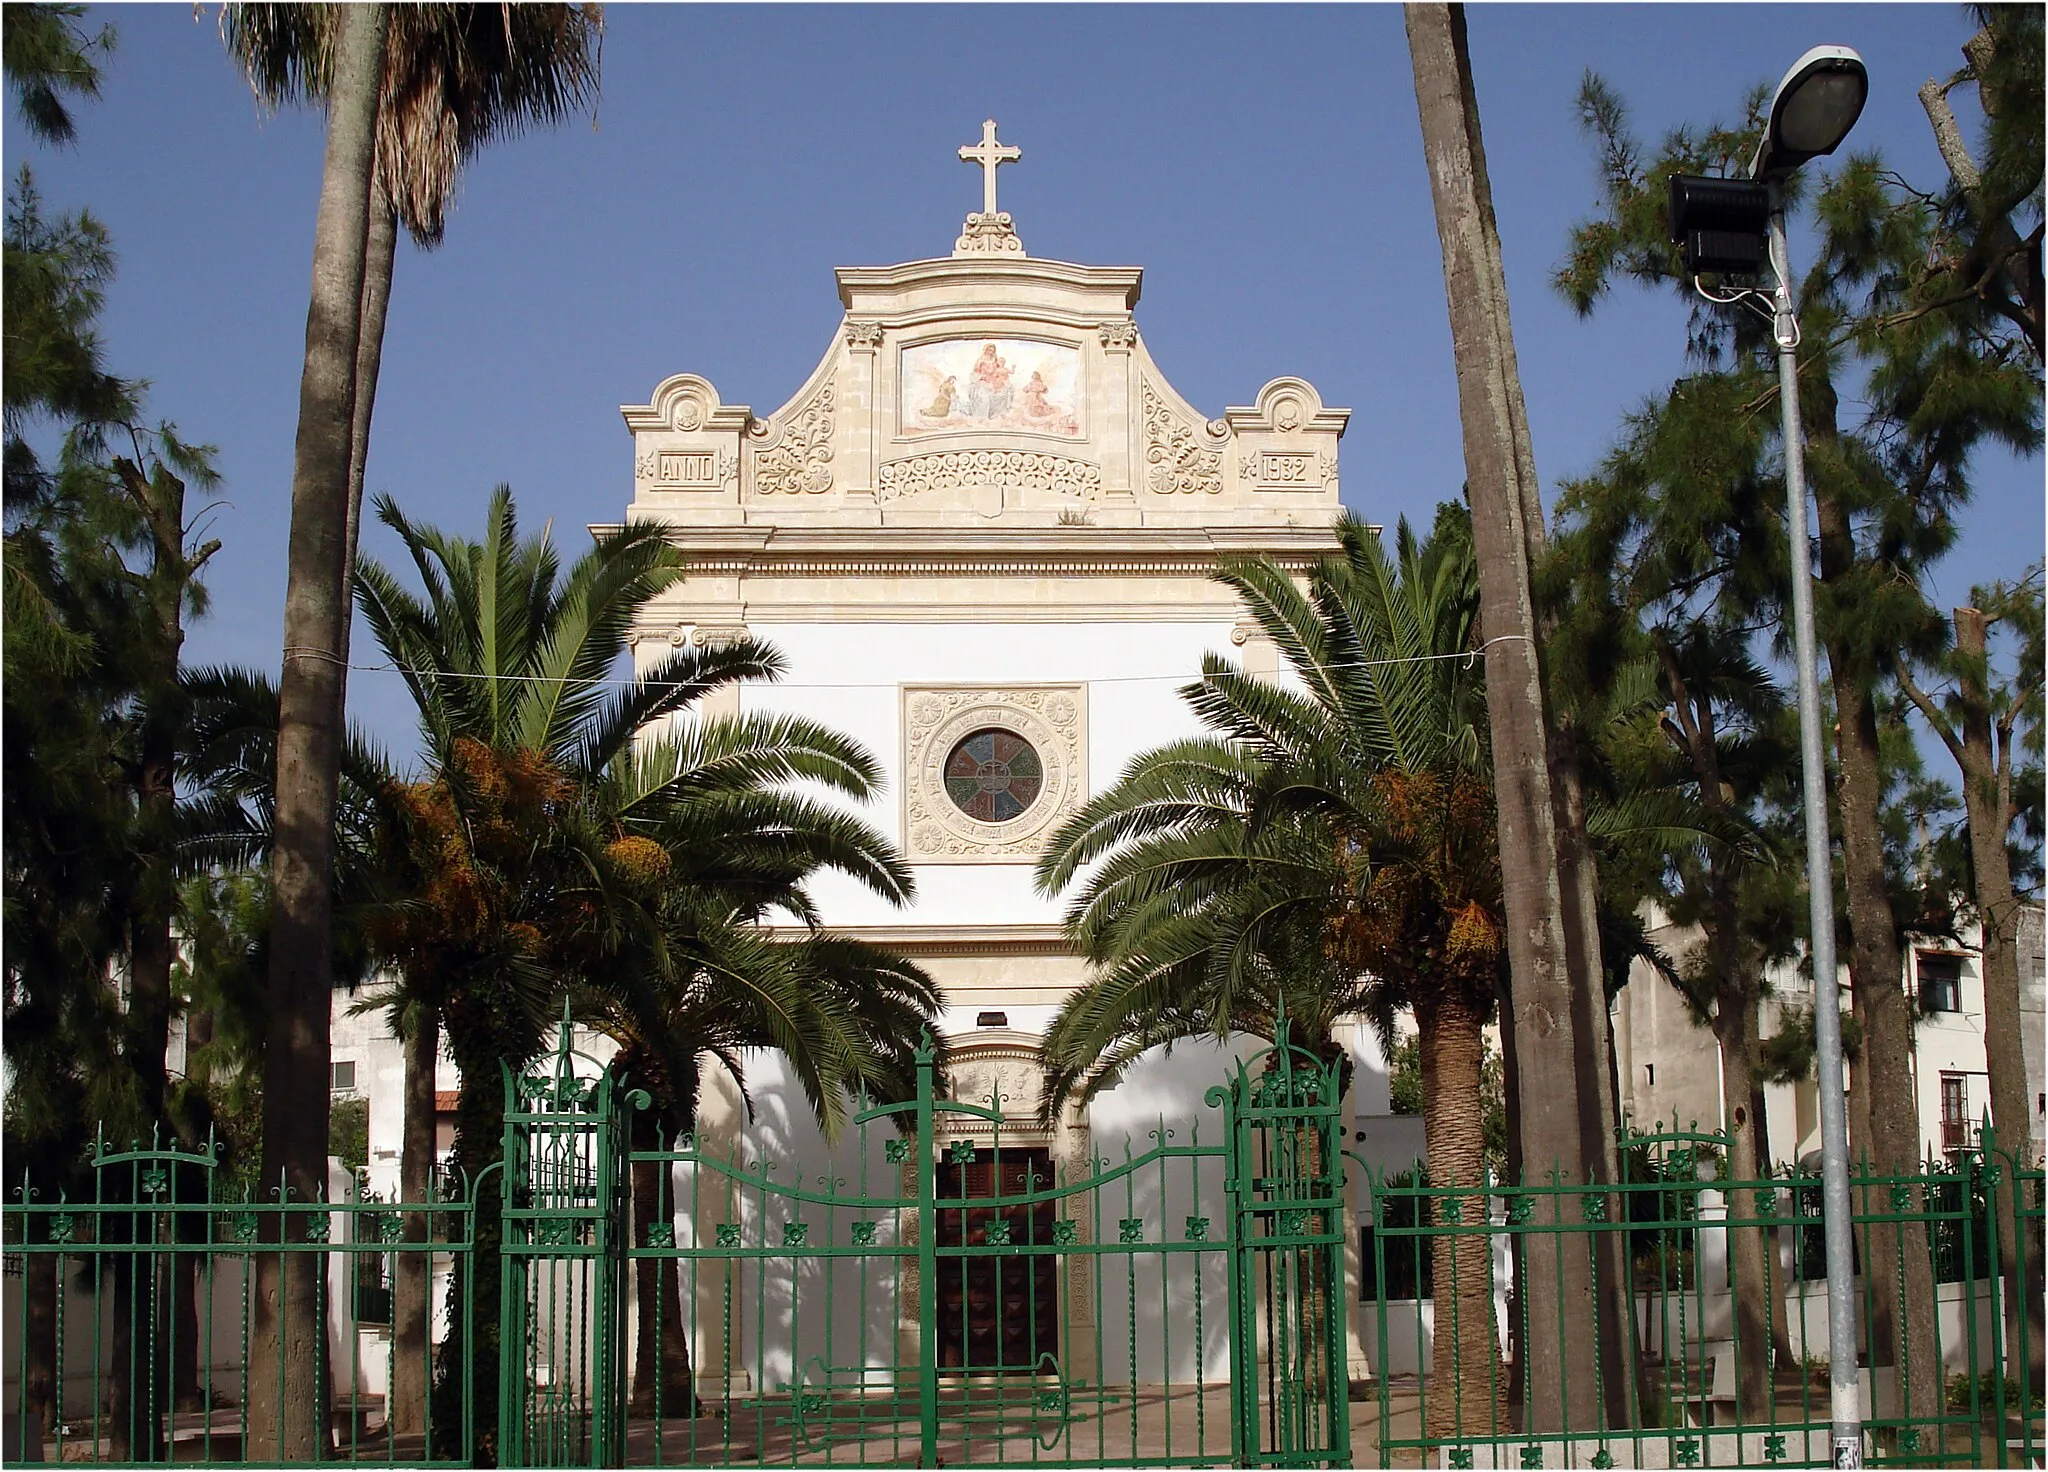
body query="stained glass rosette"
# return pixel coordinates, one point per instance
(993, 775)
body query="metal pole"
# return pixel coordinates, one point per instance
(1845, 1410)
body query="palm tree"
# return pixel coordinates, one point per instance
(1566, 1111)
(455, 78)
(288, 1420)
(1331, 848)
(571, 836)
(411, 92)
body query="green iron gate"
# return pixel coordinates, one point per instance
(560, 1400)
(949, 1291)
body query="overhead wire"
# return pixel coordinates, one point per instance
(1469, 656)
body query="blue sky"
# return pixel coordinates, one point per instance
(1262, 163)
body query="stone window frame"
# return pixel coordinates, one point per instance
(1052, 717)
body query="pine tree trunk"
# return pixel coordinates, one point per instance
(1896, 1261)
(135, 1391)
(412, 1272)
(189, 1390)
(287, 1416)
(1464, 1395)
(1748, 1247)
(1500, 475)
(1987, 798)
(39, 1353)
(1896, 1265)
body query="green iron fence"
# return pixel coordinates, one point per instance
(962, 1284)
(134, 1331)
(954, 1291)
(1725, 1331)
(959, 1292)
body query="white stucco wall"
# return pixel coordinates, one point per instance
(849, 677)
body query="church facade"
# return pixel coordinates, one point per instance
(981, 534)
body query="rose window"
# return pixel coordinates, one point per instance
(993, 775)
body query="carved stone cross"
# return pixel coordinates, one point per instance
(991, 155)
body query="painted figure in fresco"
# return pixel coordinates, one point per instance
(1035, 406)
(990, 396)
(942, 406)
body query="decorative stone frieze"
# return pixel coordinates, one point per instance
(701, 636)
(1011, 469)
(799, 462)
(1053, 719)
(719, 636)
(1178, 463)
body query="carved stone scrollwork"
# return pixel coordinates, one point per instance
(863, 334)
(1021, 469)
(1118, 334)
(801, 464)
(719, 636)
(986, 234)
(1180, 465)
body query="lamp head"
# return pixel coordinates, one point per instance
(1812, 111)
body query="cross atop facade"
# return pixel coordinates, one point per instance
(991, 155)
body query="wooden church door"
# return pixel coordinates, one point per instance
(998, 1314)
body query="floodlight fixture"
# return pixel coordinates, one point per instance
(1719, 224)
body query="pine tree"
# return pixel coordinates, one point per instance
(1942, 376)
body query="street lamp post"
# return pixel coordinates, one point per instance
(1721, 224)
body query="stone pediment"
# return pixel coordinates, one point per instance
(980, 390)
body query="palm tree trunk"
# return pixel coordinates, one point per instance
(1464, 1396)
(662, 1371)
(678, 1373)
(412, 1272)
(287, 1419)
(380, 255)
(467, 1395)
(1599, 1097)
(646, 1180)
(1501, 478)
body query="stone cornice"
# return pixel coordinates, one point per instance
(949, 940)
(857, 282)
(785, 551)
